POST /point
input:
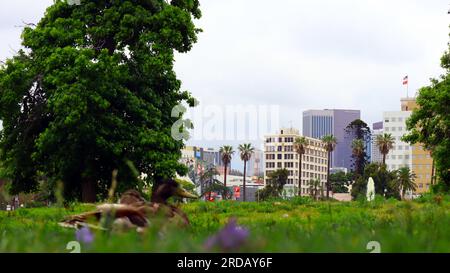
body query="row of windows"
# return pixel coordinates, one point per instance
(393, 166)
(305, 175)
(421, 156)
(426, 185)
(304, 183)
(407, 156)
(397, 157)
(292, 156)
(290, 148)
(305, 166)
(399, 148)
(393, 119)
(422, 166)
(394, 129)
(291, 140)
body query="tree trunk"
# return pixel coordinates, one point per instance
(300, 175)
(225, 180)
(88, 191)
(245, 168)
(328, 175)
(210, 186)
(432, 172)
(384, 159)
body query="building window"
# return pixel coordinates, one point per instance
(279, 156)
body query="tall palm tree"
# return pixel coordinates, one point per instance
(358, 150)
(329, 142)
(246, 151)
(406, 180)
(227, 153)
(385, 143)
(300, 145)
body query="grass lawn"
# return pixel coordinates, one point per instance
(299, 225)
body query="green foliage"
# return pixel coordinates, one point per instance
(359, 132)
(405, 180)
(298, 225)
(384, 142)
(315, 188)
(274, 185)
(339, 180)
(430, 123)
(94, 90)
(385, 182)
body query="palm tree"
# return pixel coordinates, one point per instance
(314, 187)
(246, 151)
(227, 153)
(358, 148)
(330, 142)
(405, 180)
(300, 145)
(385, 143)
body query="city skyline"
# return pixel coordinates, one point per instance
(295, 60)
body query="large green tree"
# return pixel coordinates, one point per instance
(430, 123)
(274, 185)
(359, 130)
(385, 181)
(93, 91)
(339, 181)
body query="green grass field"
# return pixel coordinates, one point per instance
(299, 225)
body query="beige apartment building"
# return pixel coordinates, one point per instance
(279, 153)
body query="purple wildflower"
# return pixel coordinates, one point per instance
(230, 237)
(84, 235)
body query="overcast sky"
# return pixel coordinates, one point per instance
(298, 54)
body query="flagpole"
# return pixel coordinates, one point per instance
(407, 88)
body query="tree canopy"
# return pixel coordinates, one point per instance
(360, 131)
(92, 92)
(430, 123)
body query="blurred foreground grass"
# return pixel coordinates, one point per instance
(298, 225)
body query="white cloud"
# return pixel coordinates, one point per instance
(298, 54)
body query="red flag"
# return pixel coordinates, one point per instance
(405, 80)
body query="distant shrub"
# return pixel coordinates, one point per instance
(301, 200)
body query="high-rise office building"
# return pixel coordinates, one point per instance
(318, 123)
(280, 153)
(375, 155)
